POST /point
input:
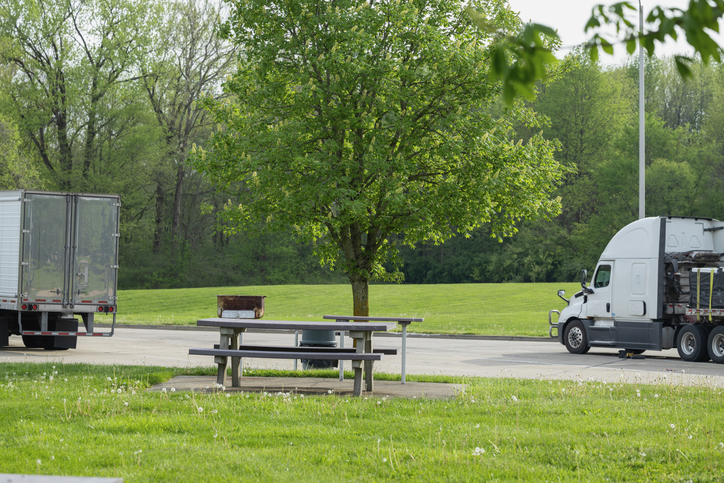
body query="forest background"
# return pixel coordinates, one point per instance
(102, 96)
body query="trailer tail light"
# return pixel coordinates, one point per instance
(29, 307)
(105, 309)
(24, 306)
(35, 307)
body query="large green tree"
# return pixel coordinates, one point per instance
(355, 120)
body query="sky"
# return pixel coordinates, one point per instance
(569, 17)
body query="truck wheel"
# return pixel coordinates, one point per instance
(716, 345)
(575, 338)
(691, 343)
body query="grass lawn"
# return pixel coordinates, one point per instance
(98, 421)
(483, 309)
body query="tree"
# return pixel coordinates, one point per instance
(189, 60)
(73, 62)
(357, 120)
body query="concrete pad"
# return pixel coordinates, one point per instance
(9, 478)
(314, 386)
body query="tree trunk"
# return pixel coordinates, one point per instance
(361, 296)
(176, 217)
(158, 232)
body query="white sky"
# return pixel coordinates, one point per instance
(569, 17)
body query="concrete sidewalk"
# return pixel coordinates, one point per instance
(314, 386)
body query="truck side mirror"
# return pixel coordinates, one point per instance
(584, 277)
(562, 294)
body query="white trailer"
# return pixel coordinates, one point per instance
(659, 284)
(58, 260)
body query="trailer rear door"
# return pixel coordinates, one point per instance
(45, 253)
(95, 260)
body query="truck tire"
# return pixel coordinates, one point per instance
(715, 344)
(692, 343)
(575, 338)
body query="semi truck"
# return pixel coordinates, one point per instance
(58, 261)
(659, 284)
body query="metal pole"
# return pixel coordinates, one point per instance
(404, 350)
(296, 344)
(642, 133)
(341, 363)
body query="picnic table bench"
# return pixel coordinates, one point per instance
(230, 329)
(402, 321)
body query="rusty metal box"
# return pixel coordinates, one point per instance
(240, 306)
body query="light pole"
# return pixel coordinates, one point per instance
(642, 137)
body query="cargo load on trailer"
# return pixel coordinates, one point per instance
(659, 284)
(58, 261)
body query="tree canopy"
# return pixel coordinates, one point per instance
(355, 120)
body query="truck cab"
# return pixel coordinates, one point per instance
(641, 293)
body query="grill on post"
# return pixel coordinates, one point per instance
(240, 306)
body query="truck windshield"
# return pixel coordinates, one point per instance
(603, 276)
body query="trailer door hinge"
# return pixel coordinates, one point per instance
(117, 235)
(26, 231)
(25, 263)
(116, 204)
(114, 266)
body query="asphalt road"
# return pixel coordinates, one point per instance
(461, 356)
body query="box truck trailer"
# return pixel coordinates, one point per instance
(659, 284)
(58, 261)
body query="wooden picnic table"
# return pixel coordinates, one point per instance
(402, 321)
(230, 330)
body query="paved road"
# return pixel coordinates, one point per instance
(539, 359)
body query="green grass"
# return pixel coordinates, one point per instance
(483, 309)
(98, 421)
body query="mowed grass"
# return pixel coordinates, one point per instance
(99, 421)
(482, 309)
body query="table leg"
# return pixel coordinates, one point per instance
(358, 338)
(221, 361)
(235, 361)
(368, 364)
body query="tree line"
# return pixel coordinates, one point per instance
(107, 96)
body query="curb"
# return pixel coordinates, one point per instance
(410, 335)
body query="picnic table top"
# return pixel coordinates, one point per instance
(374, 319)
(294, 325)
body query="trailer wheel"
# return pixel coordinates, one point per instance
(575, 338)
(715, 345)
(691, 343)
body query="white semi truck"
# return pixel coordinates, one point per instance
(659, 284)
(58, 260)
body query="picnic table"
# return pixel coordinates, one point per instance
(231, 328)
(402, 321)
